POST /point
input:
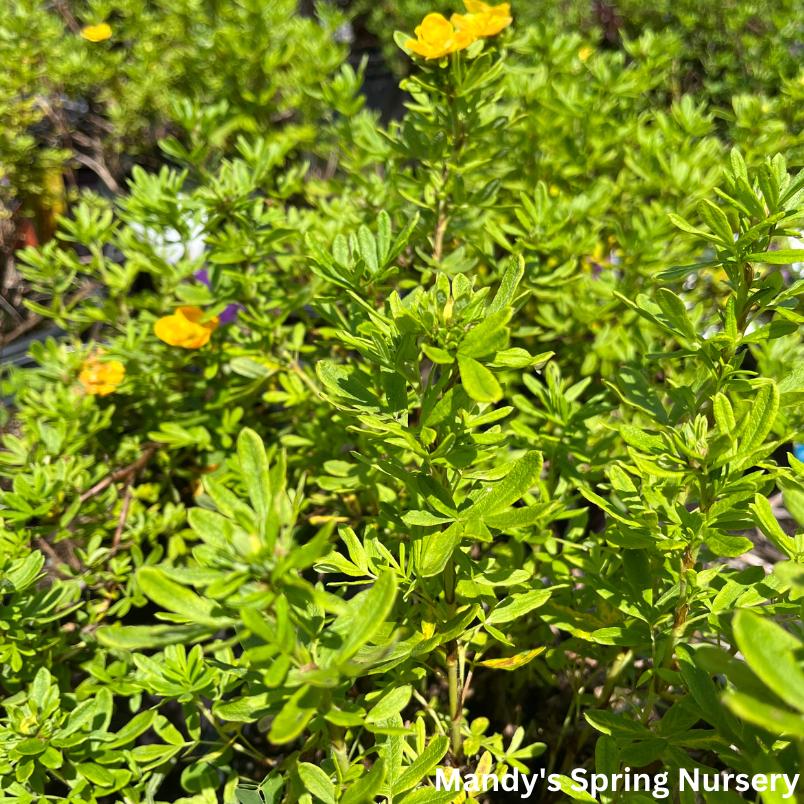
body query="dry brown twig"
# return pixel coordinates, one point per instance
(126, 472)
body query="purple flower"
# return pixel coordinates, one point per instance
(230, 313)
(232, 310)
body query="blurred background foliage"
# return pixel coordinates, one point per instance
(243, 157)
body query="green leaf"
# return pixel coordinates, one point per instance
(365, 789)
(775, 720)
(391, 703)
(31, 747)
(724, 414)
(447, 408)
(679, 222)
(703, 689)
(727, 544)
(763, 415)
(493, 498)
(676, 313)
(402, 241)
(366, 615)
(317, 782)
(488, 337)
(96, 774)
(256, 474)
(479, 382)
(137, 637)
(438, 355)
(523, 517)
(513, 662)
(138, 725)
(368, 249)
(784, 256)
(509, 283)
(424, 519)
(607, 756)
(180, 600)
(636, 564)
(437, 548)
(769, 651)
(423, 764)
(637, 391)
(765, 520)
(716, 220)
(395, 389)
(214, 529)
(516, 606)
(383, 236)
(640, 754)
(429, 795)
(618, 726)
(294, 716)
(571, 789)
(246, 795)
(346, 386)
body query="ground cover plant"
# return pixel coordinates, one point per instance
(368, 451)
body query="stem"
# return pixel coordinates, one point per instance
(455, 692)
(440, 229)
(455, 703)
(335, 734)
(338, 744)
(679, 626)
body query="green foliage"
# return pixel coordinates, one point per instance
(454, 465)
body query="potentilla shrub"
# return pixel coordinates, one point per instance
(439, 460)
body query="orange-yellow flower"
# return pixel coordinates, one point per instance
(96, 33)
(101, 378)
(482, 19)
(184, 328)
(436, 37)
(584, 53)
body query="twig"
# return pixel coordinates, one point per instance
(68, 18)
(122, 520)
(99, 168)
(440, 229)
(15, 333)
(47, 548)
(35, 319)
(127, 471)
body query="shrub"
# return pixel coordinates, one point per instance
(435, 450)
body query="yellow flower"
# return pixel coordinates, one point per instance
(482, 19)
(584, 53)
(437, 38)
(184, 328)
(101, 378)
(96, 33)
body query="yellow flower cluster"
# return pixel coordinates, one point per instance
(438, 36)
(96, 33)
(101, 378)
(184, 328)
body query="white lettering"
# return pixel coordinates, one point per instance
(600, 783)
(529, 787)
(579, 775)
(684, 779)
(514, 784)
(441, 780)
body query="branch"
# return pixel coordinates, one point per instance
(125, 472)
